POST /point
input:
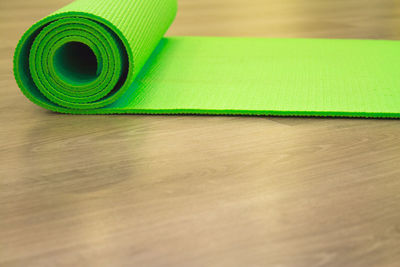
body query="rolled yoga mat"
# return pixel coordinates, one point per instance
(107, 56)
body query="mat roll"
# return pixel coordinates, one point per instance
(106, 57)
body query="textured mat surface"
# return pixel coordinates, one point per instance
(104, 56)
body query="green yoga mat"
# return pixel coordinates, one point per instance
(107, 56)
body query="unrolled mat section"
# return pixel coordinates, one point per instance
(105, 57)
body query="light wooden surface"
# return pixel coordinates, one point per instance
(201, 190)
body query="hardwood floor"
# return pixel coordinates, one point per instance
(201, 190)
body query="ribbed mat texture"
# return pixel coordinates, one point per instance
(107, 56)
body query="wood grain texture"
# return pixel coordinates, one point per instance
(201, 190)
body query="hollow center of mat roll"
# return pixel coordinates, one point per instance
(76, 63)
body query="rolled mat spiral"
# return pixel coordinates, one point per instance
(107, 56)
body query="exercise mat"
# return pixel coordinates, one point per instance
(107, 56)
